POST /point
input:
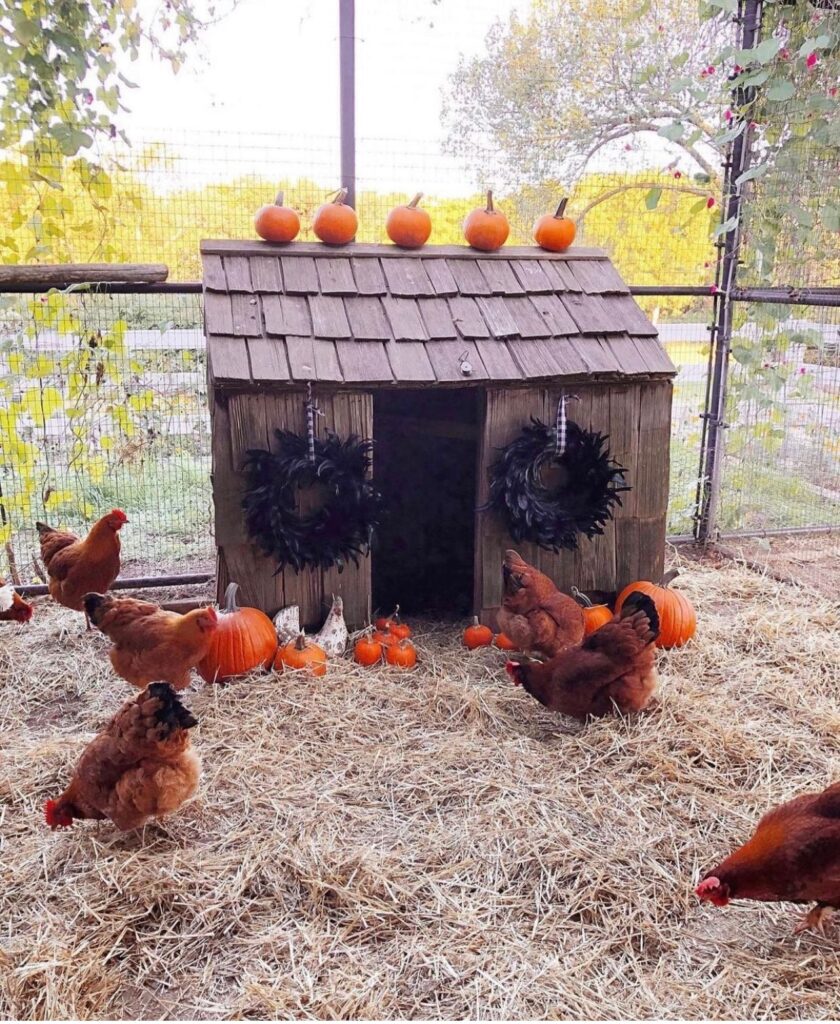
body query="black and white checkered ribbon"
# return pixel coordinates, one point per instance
(561, 424)
(312, 411)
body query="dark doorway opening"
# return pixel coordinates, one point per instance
(425, 464)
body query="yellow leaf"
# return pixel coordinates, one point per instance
(5, 533)
(42, 367)
(16, 362)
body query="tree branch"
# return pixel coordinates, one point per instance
(617, 191)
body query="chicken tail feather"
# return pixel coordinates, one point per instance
(171, 713)
(639, 602)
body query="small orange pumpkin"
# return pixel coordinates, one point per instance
(244, 639)
(276, 222)
(302, 653)
(677, 617)
(383, 623)
(486, 229)
(367, 650)
(408, 226)
(385, 637)
(504, 643)
(477, 635)
(401, 655)
(554, 231)
(594, 615)
(336, 223)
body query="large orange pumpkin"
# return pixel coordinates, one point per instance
(243, 640)
(554, 231)
(486, 229)
(408, 226)
(677, 617)
(303, 653)
(276, 222)
(336, 223)
(594, 615)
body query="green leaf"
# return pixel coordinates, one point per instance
(653, 197)
(726, 226)
(817, 43)
(673, 131)
(830, 216)
(780, 89)
(724, 5)
(754, 172)
(765, 50)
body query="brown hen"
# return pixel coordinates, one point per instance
(140, 766)
(614, 667)
(535, 615)
(151, 644)
(793, 856)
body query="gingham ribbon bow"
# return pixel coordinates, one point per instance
(561, 424)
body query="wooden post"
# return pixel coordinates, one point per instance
(347, 71)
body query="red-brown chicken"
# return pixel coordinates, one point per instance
(537, 617)
(77, 567)
(140, 766)
(151, 644)
(613, 668)
(13, 608)
(793, 856)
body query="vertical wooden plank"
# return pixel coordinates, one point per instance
(625, 400)
(351, 413)
(559, 566)
(507, 411)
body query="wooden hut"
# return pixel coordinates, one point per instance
(441, 356)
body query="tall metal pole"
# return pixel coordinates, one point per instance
(347, 70)
(737, 161)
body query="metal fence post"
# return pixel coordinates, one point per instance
(347, 71)
(737, 160)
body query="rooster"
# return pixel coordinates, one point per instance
(13, 608)
(151, 644)
(140, 766)
(76, 567)
(794, 855)
(537, 617)
(614, 667)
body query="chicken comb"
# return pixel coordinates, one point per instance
(52, 817)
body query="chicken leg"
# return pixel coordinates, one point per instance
(815, 918)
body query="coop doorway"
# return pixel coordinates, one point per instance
(425, 464)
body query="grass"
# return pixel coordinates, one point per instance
(432, 845)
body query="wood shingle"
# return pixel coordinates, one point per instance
(378, 314)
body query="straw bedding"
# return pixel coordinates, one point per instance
(426, 845)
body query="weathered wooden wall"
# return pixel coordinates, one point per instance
(243, 421)
(637, 418)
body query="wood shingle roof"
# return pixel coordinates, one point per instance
(373, 313)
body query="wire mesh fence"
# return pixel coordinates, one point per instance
(104, 395)
(102, 405)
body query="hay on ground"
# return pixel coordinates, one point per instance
(426, 845)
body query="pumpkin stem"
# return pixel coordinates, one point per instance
(300, 643)
(412, 205)
(340, 196)
(584, 600)
(669, 576)
(561, 209)
(230, 599)
(475, 621)
(395, 617)
(278, 201)
(489, 200)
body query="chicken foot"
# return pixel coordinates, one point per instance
(815, 919)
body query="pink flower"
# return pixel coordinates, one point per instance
(832, 91)
(802, 369)
(784, 53)
(737, 70)
(713, 289)
(710, 70)
(710, 202)
(727, 115)
(677, 174)
(811, 60)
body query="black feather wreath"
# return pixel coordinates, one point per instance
(340, 530)
(580, 502)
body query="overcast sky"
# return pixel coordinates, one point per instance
(264, 92)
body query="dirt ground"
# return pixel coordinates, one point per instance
(426, 845)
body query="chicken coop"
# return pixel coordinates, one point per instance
(441, 357)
